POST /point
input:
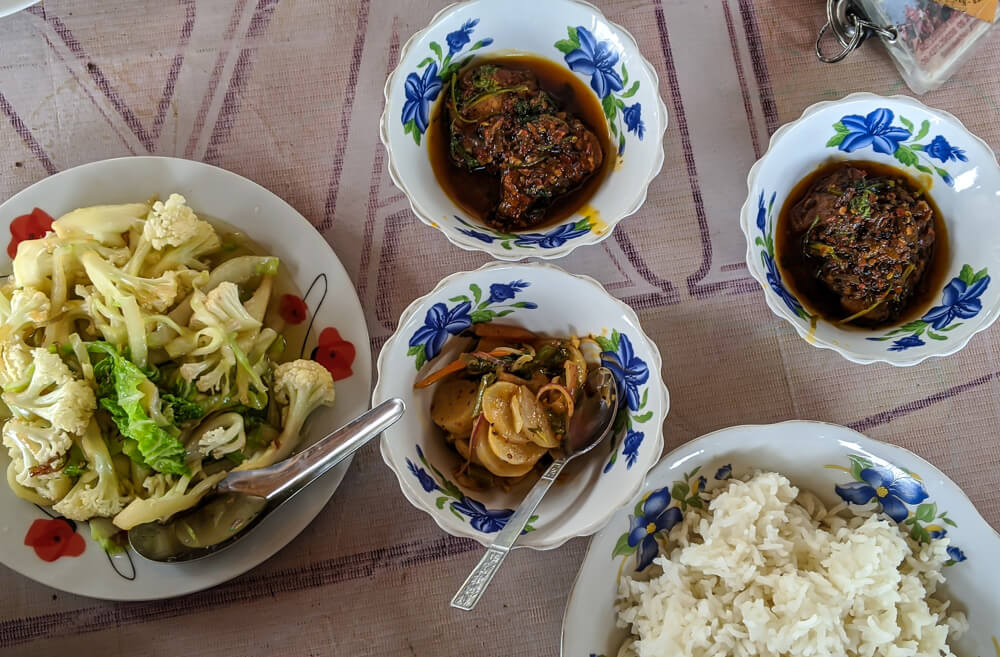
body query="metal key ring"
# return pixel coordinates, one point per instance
(848, 47)
(849, 28)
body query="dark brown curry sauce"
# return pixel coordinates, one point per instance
(478, 192)
(798, 270)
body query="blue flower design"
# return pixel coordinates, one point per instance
(633, 119)
(500, 292)
(460, 38)
(702, 482)
(725, 472)
(482, 519)
(596, 59)
(439, 323)
(633, 439)
(892, 490)
(629, 370)
(960, 300)
(956, 554)
(475, 234)
(762, 211)
(940, 149)
(553, 239)
(774, 280)
(656, 517)
(426, 481)
(936, 531)
(874, 130)
(902, 344)
(420, 92)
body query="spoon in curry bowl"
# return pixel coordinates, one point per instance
(243, 499)
(592, 422)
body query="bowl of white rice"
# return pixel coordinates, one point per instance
(798, 539)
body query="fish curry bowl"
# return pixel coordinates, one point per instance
(523, 128)
(850, 476)
(450, 467)
(870, 226)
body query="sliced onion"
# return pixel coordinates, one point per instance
(561, 390)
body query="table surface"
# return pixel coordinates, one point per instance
(288, 93)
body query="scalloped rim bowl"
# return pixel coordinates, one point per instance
(501, 28)
(965, 191)
(545, 299)
(815, 456)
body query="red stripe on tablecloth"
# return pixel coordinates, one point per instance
(175, 69)
(26, 136)
(759, 63)
(744, 89)
(346, 112)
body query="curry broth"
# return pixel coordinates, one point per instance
(797, 273)
(477, 193)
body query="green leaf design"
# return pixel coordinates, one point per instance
(631, 90)
(520, 304)
(621, 141)
(529, 527)
(565, 46)
(573, 36)
(410, 128)
(905, 156)
(645, 417)
(934, 336)
(645, 398)
(966, 274)
(477, 292)
(610, 107)
(420, 352)
(926, 512)
(461, 298)
(477, 45)
(504, 313)
(836, 139)
(925, 127)
(952, 327)
(912, 326)
(920, 534)
(840, 128)
(437, 50)
(696, 502)
(622, 548)
(858, 463)
(454, 511)
(480, 316)
(620, 103)
(980, 275)
(583, 224)
(440, 501)
(428, 60)
(949, 521)
(907, 123)
(506, 244)
(924, 168)
(680, 491)
(941, 172)
(624, 75)
(616, 338)
(760, 242)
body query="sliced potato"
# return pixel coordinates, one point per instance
(511, 452)
(452, 406)
(535, 423)
(485, 456)
(497, 407)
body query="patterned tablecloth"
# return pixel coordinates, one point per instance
(288, 93)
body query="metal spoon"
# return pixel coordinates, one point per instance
(592, 422)
(245, 498)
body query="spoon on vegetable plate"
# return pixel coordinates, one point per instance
(243, 499)
(592, 422)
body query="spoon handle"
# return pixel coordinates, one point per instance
(477, 581)
(282, 480)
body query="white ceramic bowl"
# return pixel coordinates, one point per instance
(815, 456)
(565, 31)
(545, 299)
(336, 319)
(927, 143)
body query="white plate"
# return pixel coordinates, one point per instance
(8, 7)
(549, 301)
(307, 257)
(816, 456)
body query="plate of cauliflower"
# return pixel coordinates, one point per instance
(159, 324)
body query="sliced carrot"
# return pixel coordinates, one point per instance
(452, 367)
(504, 331)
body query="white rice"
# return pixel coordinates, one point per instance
(765, 570)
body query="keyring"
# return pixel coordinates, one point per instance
(850, 28)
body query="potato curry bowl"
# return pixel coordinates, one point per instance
(523, 138)
(869, 226)
(489, 365)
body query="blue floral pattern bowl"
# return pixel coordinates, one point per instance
(962, 175)
(571, 32)
(838, 465)
(545, 299)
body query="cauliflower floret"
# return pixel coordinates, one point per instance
(302, 386)
(51, 393)
(167, 495)
(40, 263)
(222, 435)
(97, 493)
(26, 308)
(37, 455)
(104, 223)
(155, 293)
(222, 308)
(172, 223)
(15, 359)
